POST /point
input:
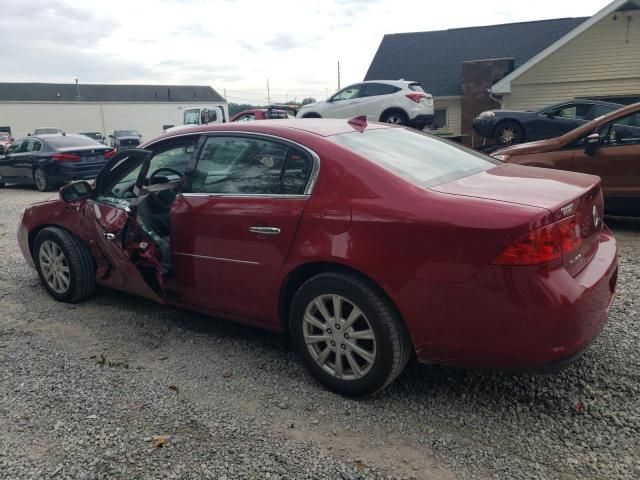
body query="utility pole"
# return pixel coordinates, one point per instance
(268, 94)
(225, 93)
(338, 74)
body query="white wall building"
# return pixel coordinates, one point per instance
(100, 108)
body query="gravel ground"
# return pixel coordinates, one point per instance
(118, 387)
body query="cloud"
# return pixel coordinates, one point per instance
(283, 41)
(247, 46)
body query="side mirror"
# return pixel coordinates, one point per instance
(76, 191)
(591, 144)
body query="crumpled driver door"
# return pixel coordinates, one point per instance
(130, 258)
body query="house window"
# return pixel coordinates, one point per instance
(439, 119)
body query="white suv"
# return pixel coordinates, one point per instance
(392, 101)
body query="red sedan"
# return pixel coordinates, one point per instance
(364, 242)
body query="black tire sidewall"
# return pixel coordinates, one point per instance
(404, 116)
(377, 377)
(55, 236)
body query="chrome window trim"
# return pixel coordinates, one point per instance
(315, 169)
(247, 195)
(218, 259)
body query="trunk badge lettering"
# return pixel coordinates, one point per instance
(567, 210)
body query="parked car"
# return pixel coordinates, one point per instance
(392, 101)
(97, 136)
(260, 114)
(125, 138)
(608, 147)
(508, 127)
(47, 131)
(364, 241)
(5, 141)
(48, 161)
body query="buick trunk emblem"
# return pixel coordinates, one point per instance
(596, 217)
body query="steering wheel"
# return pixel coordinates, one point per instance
(165, 169)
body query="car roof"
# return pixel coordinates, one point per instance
(323, 127)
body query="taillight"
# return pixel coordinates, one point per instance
(416, 97)
(542, 245)
(109, 153)
(65, 157)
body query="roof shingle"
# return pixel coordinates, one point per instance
(435, 58)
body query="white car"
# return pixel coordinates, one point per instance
(392, 101)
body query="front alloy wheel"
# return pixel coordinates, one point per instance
(348, 334)
(54, 267)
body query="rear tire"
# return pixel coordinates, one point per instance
(509, 133)
(41, 179)
(362, 350)
(395, 117)
(64, 265)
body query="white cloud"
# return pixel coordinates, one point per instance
(232, 44)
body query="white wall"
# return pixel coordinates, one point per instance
(73, 117)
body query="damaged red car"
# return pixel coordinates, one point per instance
(365, 242)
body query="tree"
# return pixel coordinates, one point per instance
(308, 100)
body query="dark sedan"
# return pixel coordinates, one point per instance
(125, 138)
(508, 127)
(48, 161)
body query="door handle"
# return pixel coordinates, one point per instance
(109, 236)
(265, 230)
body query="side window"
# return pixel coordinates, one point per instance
(375, 89)
(622, 131)
(602, 110)
(15, 146)
(249, 166)
(348, 93)
(37, 146)
(576, 111)
(174, 156)
(26, 145)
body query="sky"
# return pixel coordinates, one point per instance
(235, 46)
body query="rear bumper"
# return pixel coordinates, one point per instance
(512, 317)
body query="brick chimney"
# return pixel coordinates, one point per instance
(477, 77)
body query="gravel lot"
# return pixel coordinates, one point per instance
(119, 387)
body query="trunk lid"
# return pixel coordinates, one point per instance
(575, 200)
(90, 155)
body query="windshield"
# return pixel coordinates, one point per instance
(125, 133)
(71, 141)
(46, 131)
(192, 117)
(422, 159)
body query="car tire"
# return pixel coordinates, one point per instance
(508, 133)
(41, 179)
(64, 265)
(363, 357)
(311, 115)
(395, 117)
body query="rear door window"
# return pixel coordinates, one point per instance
(376, 89)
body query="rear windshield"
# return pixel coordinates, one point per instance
(125, 133)
(71, 141)
(46, 131)
(416, 87)
(422, 159)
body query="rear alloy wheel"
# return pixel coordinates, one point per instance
(396, 118)
(347, 334)
(41, 179)
(64, 265)
(509, 133)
